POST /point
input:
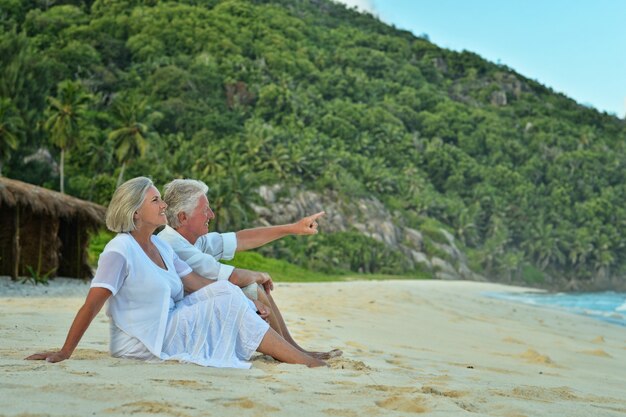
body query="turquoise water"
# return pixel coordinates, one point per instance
(606, 306)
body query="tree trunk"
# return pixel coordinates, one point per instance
(121, 176)
(61, 171)
(16, 244)
(40, 252)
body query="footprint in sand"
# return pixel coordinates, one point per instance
(85, 373)
(439, 379)
(248, 404)
(185, 383)
(500, 370)
(532, 356)
(407, 404)
(150, 407)
(32, 366)
(512, 340)
(358, 346)
(393, 389)
(470, 407)
(268, 379)
(89, 354)
(340, 412)
(399, 363)
(539, 393)
(343, 363)
(426, 389)
(596, 352)
(276, 385)
(347, 384)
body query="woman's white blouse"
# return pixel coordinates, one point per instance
(143, 293)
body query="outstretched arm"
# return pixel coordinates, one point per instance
(93, 304)
(259, 236)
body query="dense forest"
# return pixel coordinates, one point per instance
(314, 95)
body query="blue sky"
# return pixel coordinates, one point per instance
(576, 47)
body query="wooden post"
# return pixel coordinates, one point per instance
(40, 252)
(79, 250)
(16, 244)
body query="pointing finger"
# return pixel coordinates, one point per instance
(316, 216)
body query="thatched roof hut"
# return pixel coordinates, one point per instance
(44, 231)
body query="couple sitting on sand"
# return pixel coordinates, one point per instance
(170, 298)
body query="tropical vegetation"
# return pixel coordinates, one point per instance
(309, 93)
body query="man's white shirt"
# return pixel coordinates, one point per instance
(204, 255)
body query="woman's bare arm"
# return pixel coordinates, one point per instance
(193, 282)
(92, 306)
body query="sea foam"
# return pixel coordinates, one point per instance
(606, 306)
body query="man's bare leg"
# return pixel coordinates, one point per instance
(276, 319)
(278, 348)
(273, 319)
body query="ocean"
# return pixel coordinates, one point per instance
(605, 306)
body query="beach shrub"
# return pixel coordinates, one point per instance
(36, 277)
(532, 275)
(97, 242)
(340, 252)
(432, 230)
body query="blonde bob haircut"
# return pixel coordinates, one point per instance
(126, 200)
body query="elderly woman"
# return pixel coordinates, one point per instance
(151, 318)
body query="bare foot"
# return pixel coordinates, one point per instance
(326, 355)
(314, 363)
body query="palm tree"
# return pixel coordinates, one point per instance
(133, 117)
(464, 224)
(580, 247)
(233, 195)
(10, 128)
(603, 257)
(64, 116)
(544, 244)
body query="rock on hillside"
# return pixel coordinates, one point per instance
(369, 217)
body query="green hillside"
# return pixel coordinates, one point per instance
(311, 94)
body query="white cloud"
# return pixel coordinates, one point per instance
(362, 5)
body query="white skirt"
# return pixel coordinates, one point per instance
(214, 326)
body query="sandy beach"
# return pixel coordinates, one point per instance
(410, 347)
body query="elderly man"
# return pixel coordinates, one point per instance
(188, 214)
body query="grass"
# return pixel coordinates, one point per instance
(283, 271)
(279, 270)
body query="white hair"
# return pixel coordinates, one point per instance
(126, 200)
(182, 196)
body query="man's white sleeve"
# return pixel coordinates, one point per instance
(218, 245)
(203, 263)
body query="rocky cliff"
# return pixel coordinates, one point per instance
(436, 252)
